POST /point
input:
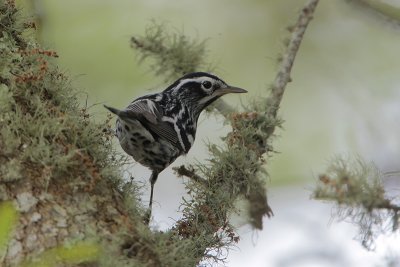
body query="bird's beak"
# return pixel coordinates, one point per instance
(230, 89)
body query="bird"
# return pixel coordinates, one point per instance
(155, 129)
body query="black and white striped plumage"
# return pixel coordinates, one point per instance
(155, 129)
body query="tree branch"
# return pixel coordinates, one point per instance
(283, 76)
(358, 191)
(236, 169)
(183, 171)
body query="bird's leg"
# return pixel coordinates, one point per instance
(153, 179)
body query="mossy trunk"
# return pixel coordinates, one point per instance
(61, 173)
(54, 162)
(60, 214)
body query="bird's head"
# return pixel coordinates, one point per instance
(200, 89)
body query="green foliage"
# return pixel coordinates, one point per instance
(358, 191)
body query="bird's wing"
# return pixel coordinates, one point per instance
(146, 108)
(150, 114)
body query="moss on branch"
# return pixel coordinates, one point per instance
(172, 53)
(358, 191)
(235, 170)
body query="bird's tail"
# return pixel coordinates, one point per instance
(114, 110)
(122, 114)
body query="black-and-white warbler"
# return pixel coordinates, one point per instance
(155, 129)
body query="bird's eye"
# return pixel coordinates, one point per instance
(207, 84)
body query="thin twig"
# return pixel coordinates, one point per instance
(388, 206)
(183, 171)
(283, 76)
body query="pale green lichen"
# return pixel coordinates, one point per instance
(172, 53)
(358, 191)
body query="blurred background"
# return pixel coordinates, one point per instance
(344, 99)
